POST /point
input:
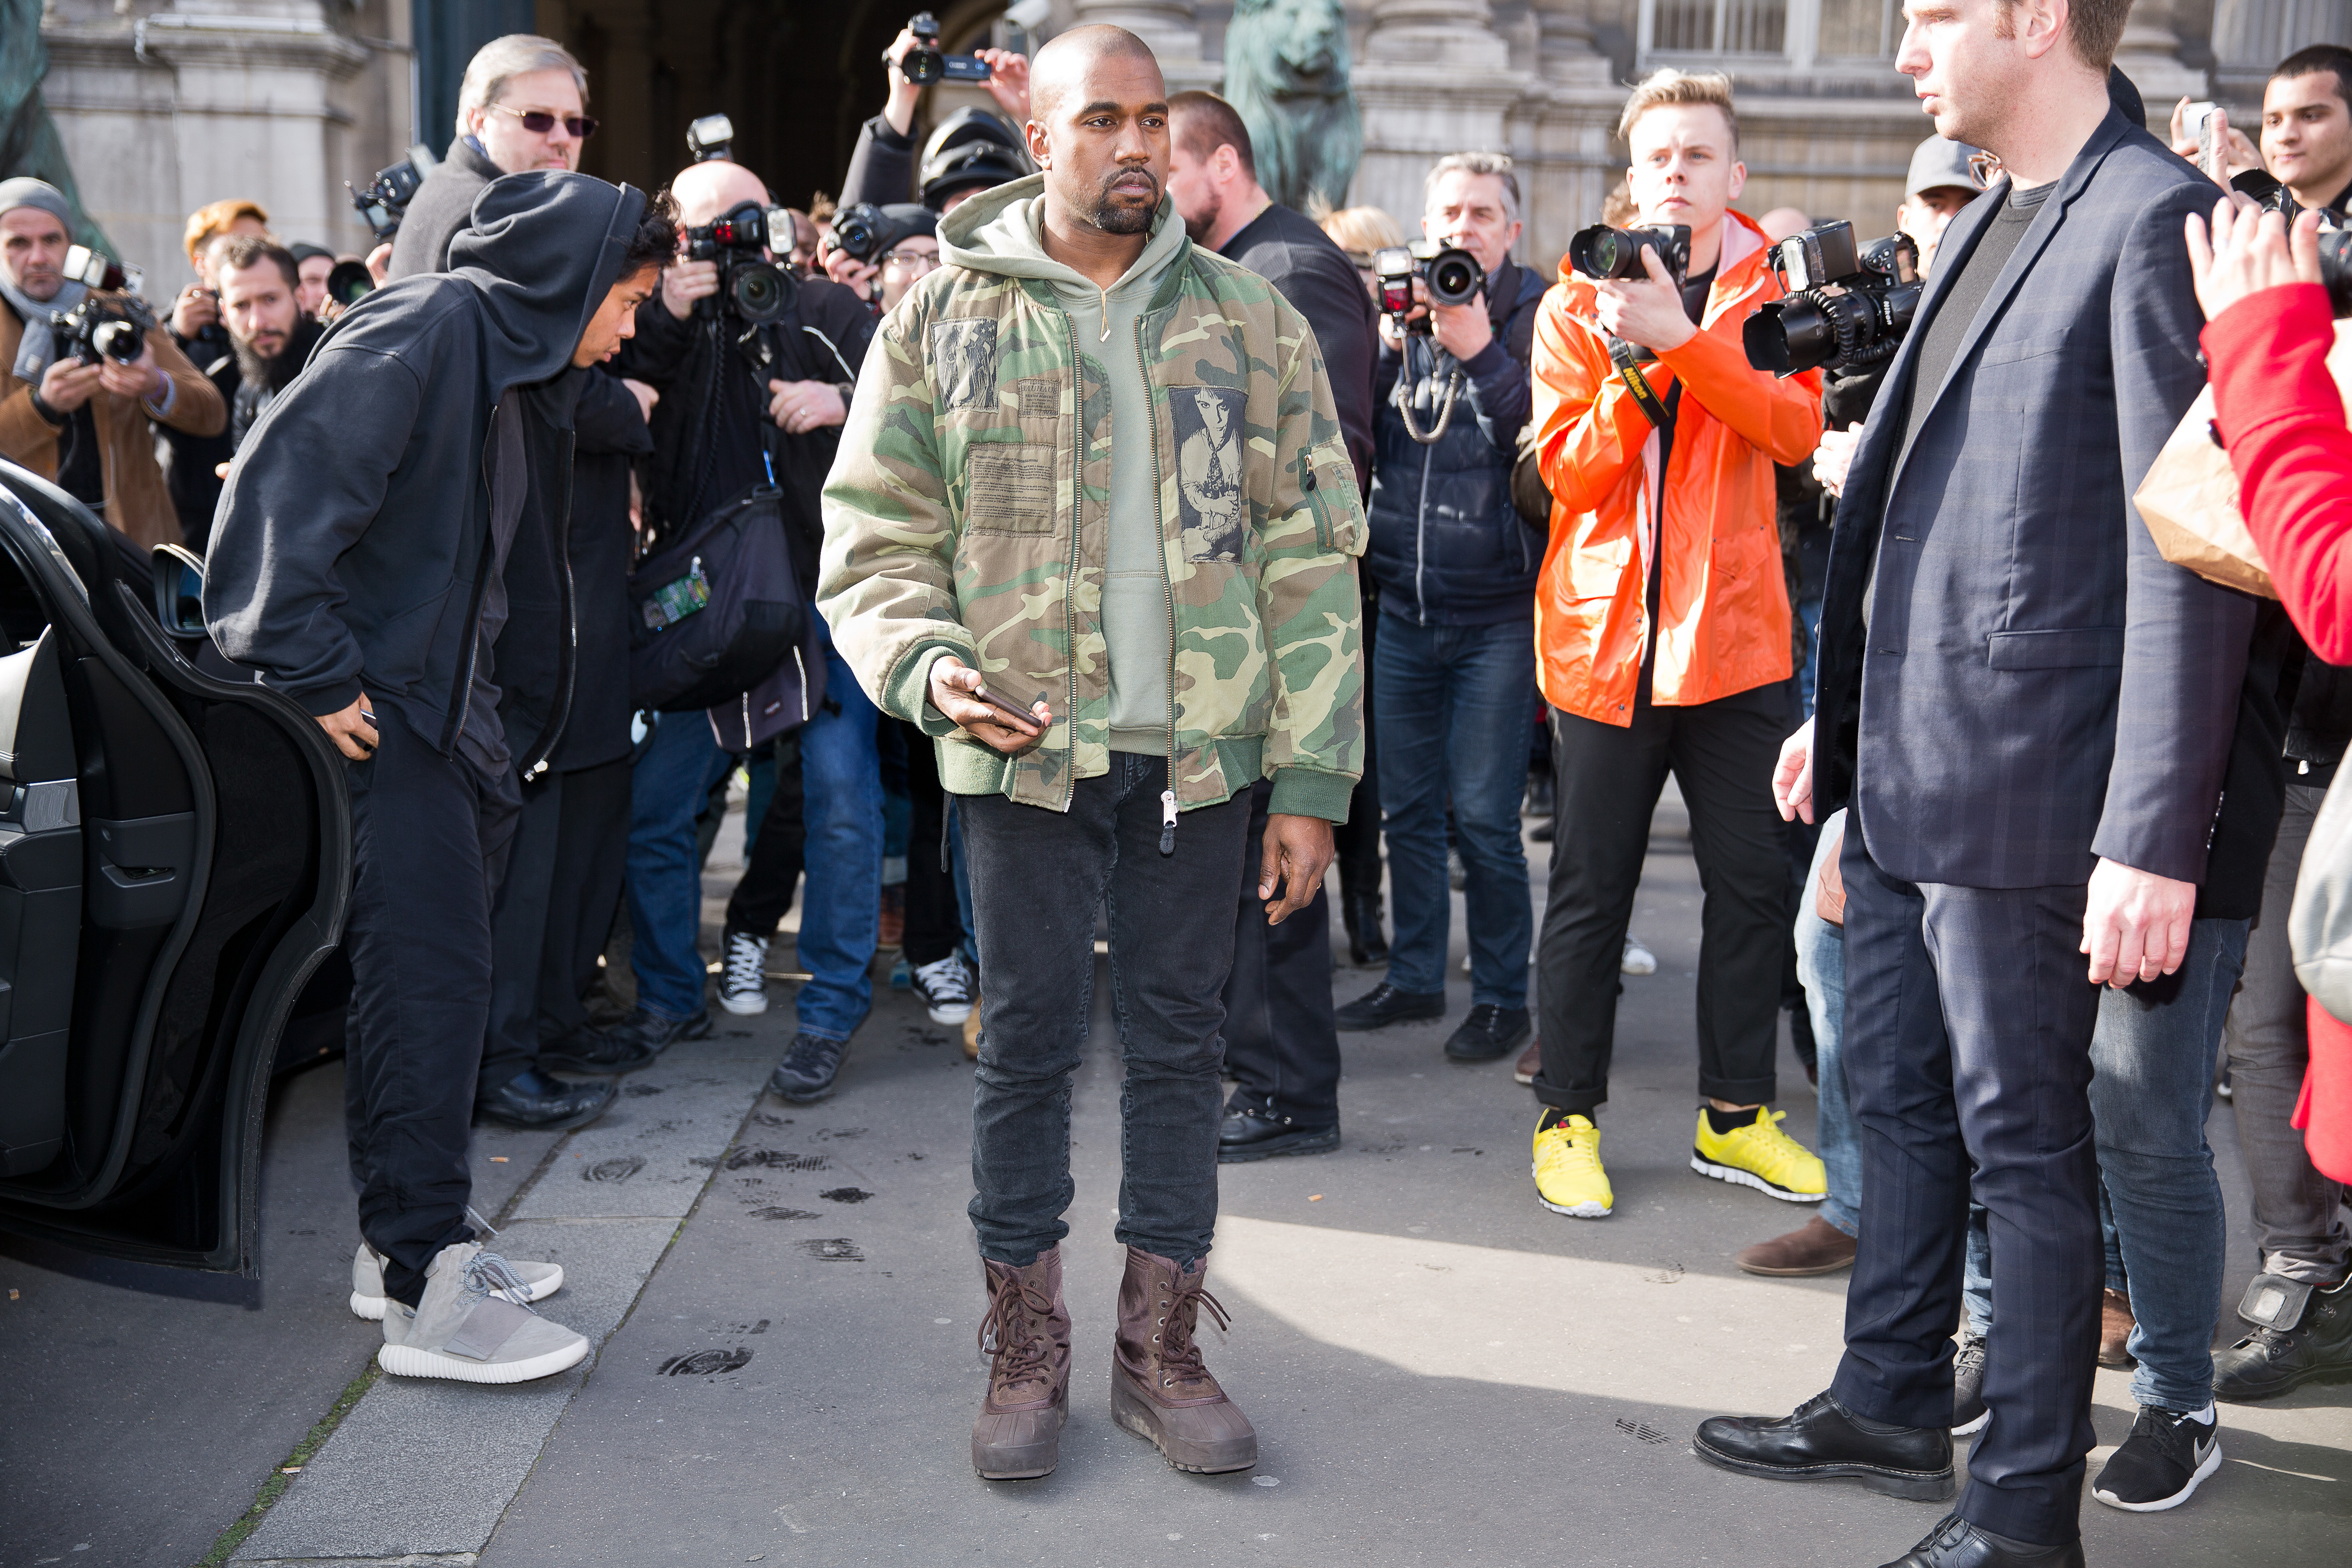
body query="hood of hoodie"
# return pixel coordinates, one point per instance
(544, 250)
(997, 231)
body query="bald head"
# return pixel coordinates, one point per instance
(1071, 63)
(709, 190)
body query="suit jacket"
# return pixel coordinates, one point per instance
(2040, 689)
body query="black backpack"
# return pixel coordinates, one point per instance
(713, 615)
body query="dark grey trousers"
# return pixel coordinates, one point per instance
(2298, 1213)
(1281, 1045)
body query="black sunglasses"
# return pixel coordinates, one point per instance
(538, 122)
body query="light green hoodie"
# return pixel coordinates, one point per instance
(1001, 235)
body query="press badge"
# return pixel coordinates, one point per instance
(673, 602)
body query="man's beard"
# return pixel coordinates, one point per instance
(1204, 224)
(1113, 219)
(273, 371)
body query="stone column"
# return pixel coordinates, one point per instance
(1563, 133)
(1435, 79)
(1171, 30)
(2149, 54)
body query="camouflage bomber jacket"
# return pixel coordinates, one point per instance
(965, 514)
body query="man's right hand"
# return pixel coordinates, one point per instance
(1792, 780)
(352, 729)
(1834, 456)
(684, 282)
(196, 309)
(68, 383)
(898, 109)
(952, 681)
(851, 273)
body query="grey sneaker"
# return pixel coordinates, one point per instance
(540, 1280)
(808, 1069)
(468, 1329)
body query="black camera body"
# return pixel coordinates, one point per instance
(866, 232)
(1847, 307)
(103, 326)
(924, 64)
(1601, 252)
(2335, 240)
(751, 287)
(1451, 275)
(384, 202)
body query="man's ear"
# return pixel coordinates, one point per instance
(1738, 178)
(1041, 144)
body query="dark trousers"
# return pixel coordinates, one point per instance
(779, 853)
(591, 859)
(934, 923)
(1280, 1044)
(518, 935)
(1357, 841)
(1037, 878)
(1968, 1042)
(430, 837)
(1606, 781)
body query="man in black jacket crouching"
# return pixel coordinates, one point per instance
(359, 562)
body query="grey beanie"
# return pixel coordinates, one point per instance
(23, 191)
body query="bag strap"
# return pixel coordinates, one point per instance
(1622, 355)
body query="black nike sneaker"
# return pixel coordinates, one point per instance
(2162, 1462)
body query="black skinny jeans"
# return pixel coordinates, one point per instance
(1037, 878)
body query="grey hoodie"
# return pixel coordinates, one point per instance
(998, 232)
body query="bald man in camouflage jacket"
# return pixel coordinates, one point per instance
(1010, 517)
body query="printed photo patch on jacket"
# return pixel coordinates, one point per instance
(1209, 465)
(963, 363)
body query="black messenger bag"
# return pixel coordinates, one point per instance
(714, 614)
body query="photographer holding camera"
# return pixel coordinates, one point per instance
(747, 404)
(1453, 678)
(1663, 628)
(970, 151)
(82, 421)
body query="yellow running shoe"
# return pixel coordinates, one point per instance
(1760, 1156)
(1568, 1177)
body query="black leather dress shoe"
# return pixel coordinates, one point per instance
(1487, 1034)
(1251, 1132)
(1823, 1441)
(1384, 1004)
(1957, 1543)
(537, 1103)
(656, 1033)
(588, 1050)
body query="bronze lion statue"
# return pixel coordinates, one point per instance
(1287, 75)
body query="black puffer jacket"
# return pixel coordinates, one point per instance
(1448, 546)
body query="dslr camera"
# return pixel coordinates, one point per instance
(753, 289)
(102, 326)
(866, 232)
(924, 64)
(1847, 306)
(384, 200)
(1450, 274)
(2335, 240)
(1601, 252)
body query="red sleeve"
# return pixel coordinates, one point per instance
(2282, 419)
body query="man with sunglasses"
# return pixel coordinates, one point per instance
(519, 107)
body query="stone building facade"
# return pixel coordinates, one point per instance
(164, 106)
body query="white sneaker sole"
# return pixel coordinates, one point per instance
(1639, 961)
(2212, 1463)
(953, 1013)
(407, 1361)
(743, 1006)
(372, 1308)
(1733, 1173)
(1973, 1426)
(1577, 1211)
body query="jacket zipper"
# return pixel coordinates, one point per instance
(463, 697)
(568, 654)
(1069, 582)
(1159, 534)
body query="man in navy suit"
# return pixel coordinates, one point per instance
(2029, 710)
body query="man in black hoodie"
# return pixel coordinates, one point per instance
(359, 562)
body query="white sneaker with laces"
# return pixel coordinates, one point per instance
(945, 987)
(468, 1327)
(540, 1280)
(1638, 959)
(743, 975)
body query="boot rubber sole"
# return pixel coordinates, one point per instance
(2285, 1385)
(407, 1361)
(1321, 1142)
(372, 1308)
(744, 1006)
(1018, 1462)
(1739, 1177)
(1131, 1410)
(1915, 1486)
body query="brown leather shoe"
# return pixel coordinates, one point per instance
(1159, 1389)
(1026, 1335)
(1531, 1061)
(1815, 1248)
(972, 1030)
(2115, 1329)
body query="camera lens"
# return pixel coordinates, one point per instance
(1454, 278)
(758, 291)
(1788, 336)
(923, 66)
(1604, 252)
(2335, 269)
(349, 283)
(117, 341)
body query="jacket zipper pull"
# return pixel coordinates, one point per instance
(1167, 822)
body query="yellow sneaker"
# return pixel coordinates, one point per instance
(1568, 1177)
(1760, 1156)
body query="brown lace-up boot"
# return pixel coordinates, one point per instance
(1159, 1389)
(1026, 1336)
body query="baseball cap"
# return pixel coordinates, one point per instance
(1938, 162)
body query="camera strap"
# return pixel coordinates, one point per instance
(1629, 371)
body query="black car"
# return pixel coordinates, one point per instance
(174, 865)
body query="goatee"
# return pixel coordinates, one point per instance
(1113, 218)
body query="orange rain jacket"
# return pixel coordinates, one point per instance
(1723, 607)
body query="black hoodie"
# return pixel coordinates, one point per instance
(353, 547)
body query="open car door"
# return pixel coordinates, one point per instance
(175, 864)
